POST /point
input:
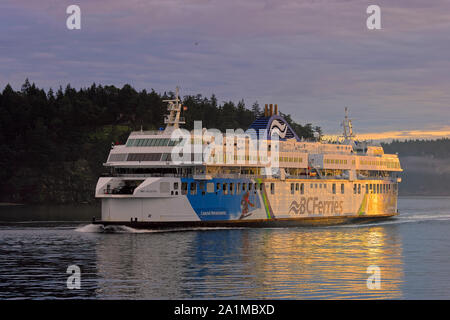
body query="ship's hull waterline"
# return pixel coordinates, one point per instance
(160, 203)
(258, 223)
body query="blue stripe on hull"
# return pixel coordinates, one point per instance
(219, 206)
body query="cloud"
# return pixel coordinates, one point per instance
(313, 58)
(436, 133)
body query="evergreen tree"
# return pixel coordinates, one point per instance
(53, 144)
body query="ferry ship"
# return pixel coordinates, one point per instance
(314, 182)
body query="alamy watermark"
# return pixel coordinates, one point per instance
(74, 280)
(373, 22)
(374, 280)
(236, 147)
(73, 22)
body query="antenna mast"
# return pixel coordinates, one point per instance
(173, 119)
(348, 127)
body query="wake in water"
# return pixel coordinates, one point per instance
(401, 219)
(98, 228)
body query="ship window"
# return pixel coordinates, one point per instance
(272, 188)
(231, 188)
(210, 187)
(378, 188)
(153, 142)
(334, 188)
(244, 186)
(130, 142)
(316, 185)
(296, 187)
(184, 187)
(354, 188)
(217, 187)
(292, 188)
(238, 188)
(367, 188)
(342, 188)
(320, 186)
(193, 188)
(172, 142)
(225, 188)
(117, 157)
(302, 188)
(261, 187)
(311, 186)
(359, 188)
(175, 185)
(250, 186)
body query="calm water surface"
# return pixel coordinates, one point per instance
(412, 251)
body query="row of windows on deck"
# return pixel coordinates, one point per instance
(388, 164)
(152, 142)
(139, 157)
(237, 188)
(370, 188)
(385, 163)
(146, 157)
(225, 188)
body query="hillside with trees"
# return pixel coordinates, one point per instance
(54, 143)
(426, 165)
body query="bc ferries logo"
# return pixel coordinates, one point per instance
(278, 127)
(312, 205)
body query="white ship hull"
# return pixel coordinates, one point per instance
(271, 203)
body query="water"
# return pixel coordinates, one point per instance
(412, 252)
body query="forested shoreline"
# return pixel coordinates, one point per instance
(426, 165)
(54, 142)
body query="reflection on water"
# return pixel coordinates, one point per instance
(291, 263)
(268, 263)
(46, 213)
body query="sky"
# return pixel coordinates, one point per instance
(311, 57)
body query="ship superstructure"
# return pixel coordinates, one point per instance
(266, 177)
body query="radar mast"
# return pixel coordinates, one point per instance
(348, 127)
(173, 119)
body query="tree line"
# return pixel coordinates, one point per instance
(439, 148)
(54, 143)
